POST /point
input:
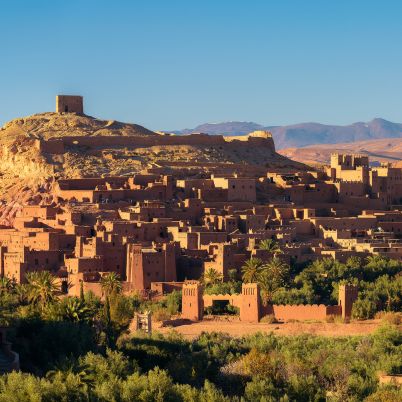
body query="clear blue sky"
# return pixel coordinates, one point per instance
(172, 64)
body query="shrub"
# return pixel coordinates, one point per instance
(161, 314)
(390, 317)
(173, 302)
(269, 319)
(363, 309)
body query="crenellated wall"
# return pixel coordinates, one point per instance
(252, 310)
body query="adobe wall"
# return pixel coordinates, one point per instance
(166, 287)
(252, 310)
(57, 145)
(300, 312)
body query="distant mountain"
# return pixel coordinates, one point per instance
(378, 150)
(303, 134)
(229, 128)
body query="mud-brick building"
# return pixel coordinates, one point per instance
(150, 264)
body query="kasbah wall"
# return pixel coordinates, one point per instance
(58, 145)
(75, 104)
(252, 309)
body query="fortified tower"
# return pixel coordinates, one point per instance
(346, 298)
(192, 301)
(69, 104)
(250, 310)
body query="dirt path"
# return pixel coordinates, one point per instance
(237, 328)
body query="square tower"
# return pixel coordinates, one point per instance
(347, 296)
(192, 301)
(250, 310)
(69, 104)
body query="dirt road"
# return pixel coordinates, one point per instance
(237, 328)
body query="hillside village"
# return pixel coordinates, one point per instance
(163, 228)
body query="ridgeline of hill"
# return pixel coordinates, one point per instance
(304, 134)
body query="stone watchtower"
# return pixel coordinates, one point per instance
(69, 104)
(192, 301)
(250, 309)
(346, 297)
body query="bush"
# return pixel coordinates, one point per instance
(390, 317)
(269, 319)
(161, 314)
(221, 307)
(363, 309)
(173, 302)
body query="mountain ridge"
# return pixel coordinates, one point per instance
(305, 134)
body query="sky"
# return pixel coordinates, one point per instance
(175, 64)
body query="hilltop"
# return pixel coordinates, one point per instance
(304, 134)
(48, 125)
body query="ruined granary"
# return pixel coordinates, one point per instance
(175, 220)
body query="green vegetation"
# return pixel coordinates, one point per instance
(378, 279)
(271, 276)
(271, 246)
(214, 367)
(78, 348)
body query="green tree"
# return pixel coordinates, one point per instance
(6, 285)
(271, 246)
(211, 276)
(75, 309)
(272, 276)
(251, 270)
(42, 287)
(111, 284)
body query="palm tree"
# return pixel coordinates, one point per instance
(6, 285)
(376, 260)
(212, 276)
(42, 287)
(251, 270)
(84, 374)
(111, 284)
(271, 246)
(272, 276)
(22, 290)
(74, 309)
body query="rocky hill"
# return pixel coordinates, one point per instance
(37, 150)
(303, 134)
